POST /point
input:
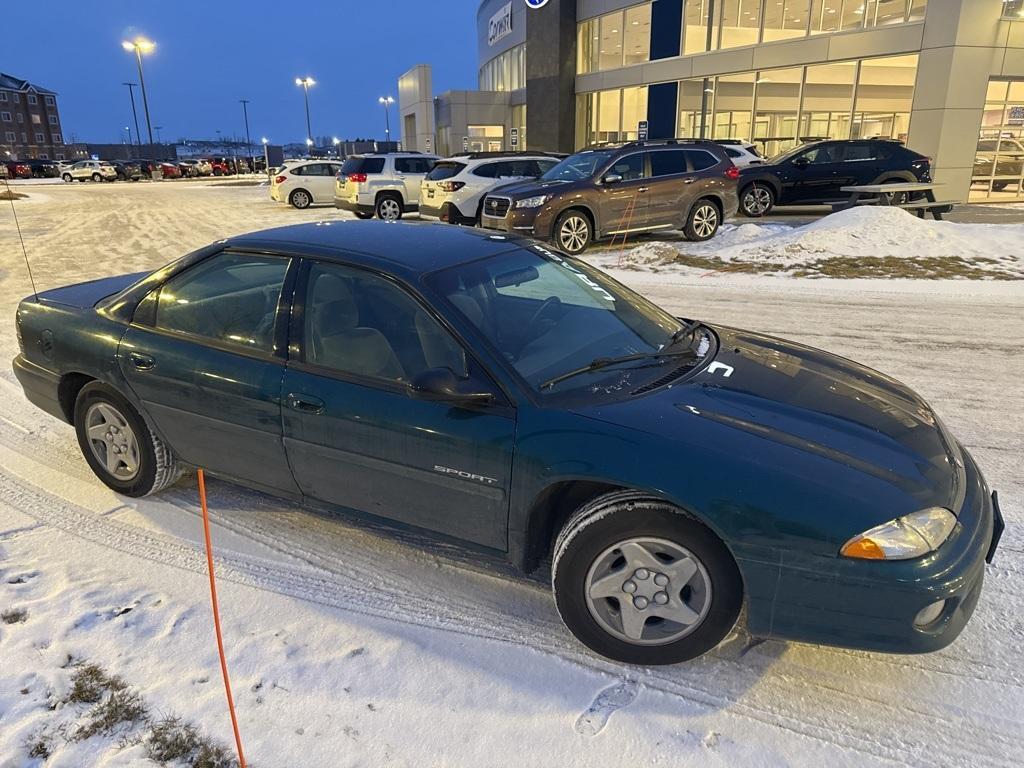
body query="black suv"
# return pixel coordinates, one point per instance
(814, 173)
(606, 191)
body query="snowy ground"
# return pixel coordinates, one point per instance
(351, 648)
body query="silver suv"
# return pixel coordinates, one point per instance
(382, 185)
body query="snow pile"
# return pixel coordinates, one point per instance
(863, 232)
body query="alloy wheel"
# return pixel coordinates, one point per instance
(705, 221)
(574, 234)
(648, 591)
(112, 441)
(388, 209)
(757, 201)
(300, 199)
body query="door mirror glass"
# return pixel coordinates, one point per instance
(612, 178)
(442, 384)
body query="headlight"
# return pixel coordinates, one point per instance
(904, 538)
(532, 202)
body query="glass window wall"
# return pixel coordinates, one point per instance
(614, 40)
(609, 116)
(885, 95)
(505, 72)
(785, 19)
(828, 101)
(999, 162)
(695, 26)
(741, 23)
(776, 109)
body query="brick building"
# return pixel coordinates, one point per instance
(30, 124)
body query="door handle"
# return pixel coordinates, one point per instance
(141, 362)
(689, 180)
(643, 189)
(305, 403)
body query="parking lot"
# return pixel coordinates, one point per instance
(315, 604)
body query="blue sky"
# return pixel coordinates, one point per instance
(210, 54)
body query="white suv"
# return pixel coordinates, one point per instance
(305, 183)
(382, 185)
(742, 153)
(455, 188)
(97, 170)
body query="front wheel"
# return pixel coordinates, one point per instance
(757, 200)
(68, 177)
(639, 581)
(300, 198)
(573, 232)
(119, 446)
(703, 221)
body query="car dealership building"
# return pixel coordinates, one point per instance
(945, 76)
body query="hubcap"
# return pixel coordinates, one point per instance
(648, 591)
(573, 235)
(705, 221)
(757, 200)
(389, 210)
(301, 199)
(112, 441)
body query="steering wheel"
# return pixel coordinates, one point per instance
(550, 303)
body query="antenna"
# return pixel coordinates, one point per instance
(17, 225)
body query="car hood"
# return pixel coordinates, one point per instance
(521, 189)
(801, 398)
(85, 295)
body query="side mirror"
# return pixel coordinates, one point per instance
(442, 384)
(801, 162)
(612, 178)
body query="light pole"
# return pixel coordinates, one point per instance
(336, 141)
(386, 102)
(305, 82)
(248, 141)
(135, 115)
(158, 128)
(141, 45)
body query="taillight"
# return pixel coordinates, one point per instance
(732, 172)
(280, 179)
(451, 186)
(357, 177)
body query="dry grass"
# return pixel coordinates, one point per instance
(172, 739)
(39, 744)
(11, 195)
(89, 682)
(14, 616)
(117, 712)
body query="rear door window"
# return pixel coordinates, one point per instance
(860, 151)
(412, 165)
(668, 163)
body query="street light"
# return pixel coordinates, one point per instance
(141, 45)
(336, 141)
(248, 141)
(305, 82)
(386, 102)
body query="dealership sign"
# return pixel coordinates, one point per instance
(500, 24)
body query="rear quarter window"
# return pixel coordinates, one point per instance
(445, 170)
(701, 160)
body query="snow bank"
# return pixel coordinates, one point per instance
(868, 231)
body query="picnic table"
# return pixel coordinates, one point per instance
(884, 194)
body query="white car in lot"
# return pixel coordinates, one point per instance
(742, 153)
(384, 185)
(305, 183)
(455, 188)
(97, 170)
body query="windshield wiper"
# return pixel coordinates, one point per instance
(603, 362)
(686, 331)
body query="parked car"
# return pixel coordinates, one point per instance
(304, 184)
(999, 157)
(169, 170)
(197, 167)
(18, 169)
(814, 173)
(4, 173)
(742, 153)
(669, 471)
(384, 185)
(96, 170)
(187, 169)
(219, 166)
(454, 189)
(44, 169)
(127, 170)
(641, 186)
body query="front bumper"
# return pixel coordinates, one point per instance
(532, 222)
(872, 605)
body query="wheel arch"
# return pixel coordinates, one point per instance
(583, 208)
(67, 392)
(300, 189)
(389, 192)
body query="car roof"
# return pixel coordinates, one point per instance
(406, 250)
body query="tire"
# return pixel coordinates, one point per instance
(603, 537)
(150, 466)
(894, 198)
(573, 232)
(388, 207)
(704, 220)
(363, 215)
(757, 200)
(97, 177)
(68, 177)
(300, 199)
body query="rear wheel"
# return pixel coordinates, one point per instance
(573, 232)
(363, 215)
(756, 200)
(118, 444)
(639, 581)
(389, 207)
(300, 198)
(97, 177)
(894, 198)
(703, 221)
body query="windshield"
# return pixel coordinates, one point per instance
(582, 165)
(548, 314)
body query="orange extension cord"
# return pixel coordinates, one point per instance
(216, 617)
